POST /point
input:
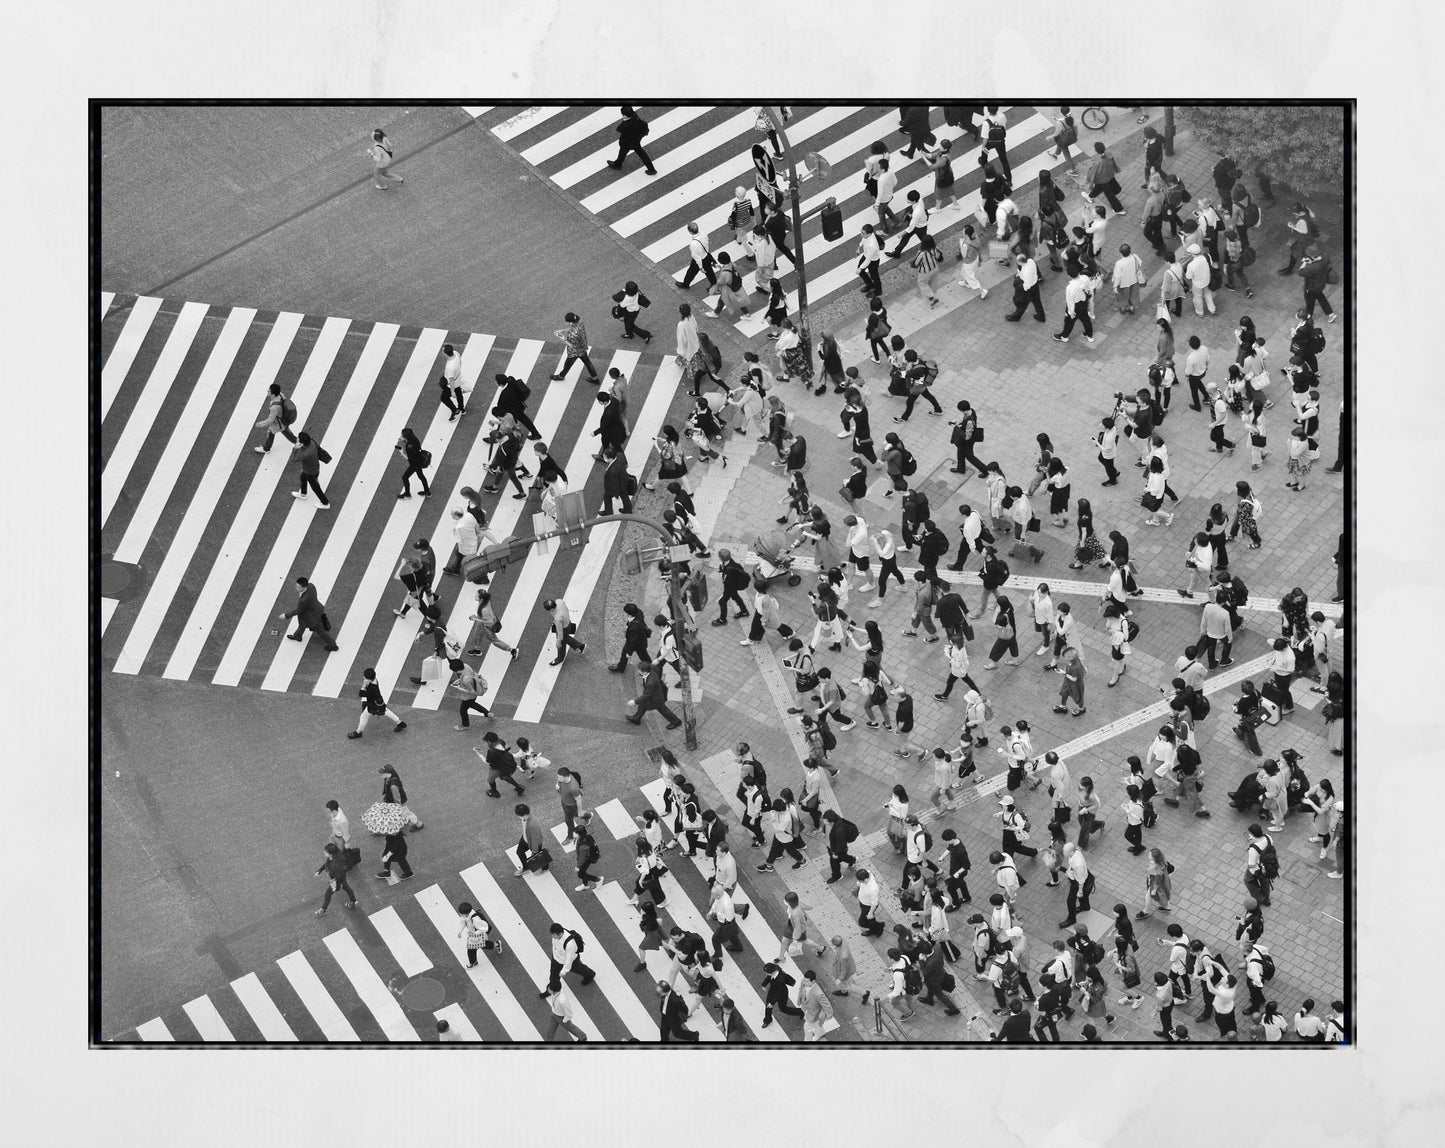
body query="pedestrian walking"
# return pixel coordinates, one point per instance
(630, 133)
(310, 614)
(653, 696)
(1026, 290)
(280, 415)
(373, 704)
(449, 382)
(477, 931)
(564, 630)
(501, 763)
(394, 850)
(700, 259)
(335, 866)
(574, 340)
(417, 460)
(382, 153)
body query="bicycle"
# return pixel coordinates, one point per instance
(1095, 118)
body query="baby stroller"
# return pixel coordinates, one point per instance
(774, 560)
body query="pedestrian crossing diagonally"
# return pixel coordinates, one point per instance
(220, 539)
(349, 984)
(703, 152)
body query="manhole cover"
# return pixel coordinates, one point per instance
(423, 995)
(114, 578)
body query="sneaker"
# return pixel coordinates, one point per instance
(873, 605)
(1061, 338)
(298, 494)
(765, 868)
(1090, 338)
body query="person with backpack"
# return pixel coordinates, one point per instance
(1318, 274)
(1258, 968)
(1078, 298)
(630, 133)
(1102, 178)
(280, 414)
(477, 930)
(1303, 229)
(1261, 864)
(335, 866)
(841, 833)
(920, 375)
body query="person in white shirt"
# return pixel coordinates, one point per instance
(563, 628)
(340, 826)
(1128, 277)
(1199, 560)
(765, 258)
(867, 894)
(1307, 1026)
(1063, 628)
(450, 382)
(858, 552)
(1196, 274)
(898, 991)
(917, 223)
(1026, 291)
(1196, 366)
(870, 253)
(1081, 883)
(1076, 309)
(700, 258)
(887, 185)
(1042, 604)
(887, 551)
(1006, 220)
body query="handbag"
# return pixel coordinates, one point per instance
(1257, 439)
(433, 668)
(1033, 524)
(540, 860)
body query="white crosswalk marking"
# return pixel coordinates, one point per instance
(599, 546)
(613, 814)
(122, 355)
(369, 986)
(257, 498)
(484, 977)
(527, 119)
(591, 164)
(573, 133)
(459, 1021)
(199, 510)
(207, 1020)
(615, 903)
(278, 569)
(396, 536)
(519, 939)
(152, 397)
(261, 1008)
(620, 995)
(155, 1030)
(477, 111)
(404, 949)
(106, 299)
(324, 1011)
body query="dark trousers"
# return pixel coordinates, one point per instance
(757, 630)
(584, 873)
(957, 889)
(524, 419)
(948, 685)
(1012, 845)
(399, 860)
(554, 974)
(271, 437)
(1166, 1022)
(626, 500)
(630, 327)
(340, 884)
(1031, 296)
(836, 861)
(963, 454)
(472, 953)
(1216, 436)
(1198, 396)
(566, 637)
(1286, 700)
(660, 705)
(783, 1005)
(1134, 835)
(623, 148)
(793, 849)
(1258, 886)
(707, 267)
(1110, 470)
(1080, 315)
(452, 399)
(406, 479)
(731, 596)
(1206, 647)
(888, 568)
(310, 480)
(1234, 271)
(1154, 233)
(1109, 191)
(727, 933)
(871, 279)
(869, 920)
(628, 650)
(920, 232)
(1313, 297)
(913, 398)
(1078, 898)
(586, 362)
(467, 706)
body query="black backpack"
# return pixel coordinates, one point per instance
(912, 979)
(288, 411)
(424, 457)
(850, 831)
(1198, 705)
(578, 941)
(1131, 630)
(830, 739)
(910, 464)
(1092, 951)
(1269, 859)
(1266, 966)
(927, 841)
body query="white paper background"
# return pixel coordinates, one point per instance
(1387, 1091)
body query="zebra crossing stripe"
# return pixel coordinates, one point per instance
(536, 961)
(459, 1021)
(153, 395)
(620, 995)
(487, 981)
(369, 986)
(620, 824)
(574, 133)
(253, 505)
(204, 496)
(477, 111)
(279, 561)
(106, 299)
(328, 1016)
(368, 484)
(261, 1008)
(404, 949)
(154, 1031)
(127, 346)
(841, 274)
(585, 575)
(614, 902)
(395, 538)
(526, 120)
(207, 1020)
(736, 168)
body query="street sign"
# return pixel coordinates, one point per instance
(819, 166)
(763, 161)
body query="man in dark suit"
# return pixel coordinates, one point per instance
(733, 1029)
(610, 428)
(653, 696)
(776, 984)
(734, 579)
(629, 138)
(634, 641)
(1015, 1028)
(672, 1012)
(616, 481)
(841, 833)
(310, 614)
(511, 399)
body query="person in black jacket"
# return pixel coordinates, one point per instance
(310, 614)
(616, 482)
(372, 703)
(776, 984)
(629, 138)
(841, 833)
(417, 460)
(653, 696)
(734, 578)
(932, 546)
(635, 638)
(671, 1014)
(610, 427)
(335, 869)
(1016, 1026)
(1226, 175)
(394, 853)
(955, 882)
(511, 399)
(548, 469)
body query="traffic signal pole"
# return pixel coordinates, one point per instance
(515, 547)
(804, 335)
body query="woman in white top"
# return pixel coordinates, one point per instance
(1116, 624)
(1163, 751)
(897, 809)
(1320, 801)
(1199, 560)
(997, 486)
(976, 717)
(1253, 419)
(1154, 495)
(970, 250)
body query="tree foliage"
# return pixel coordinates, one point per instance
(1302, 146)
